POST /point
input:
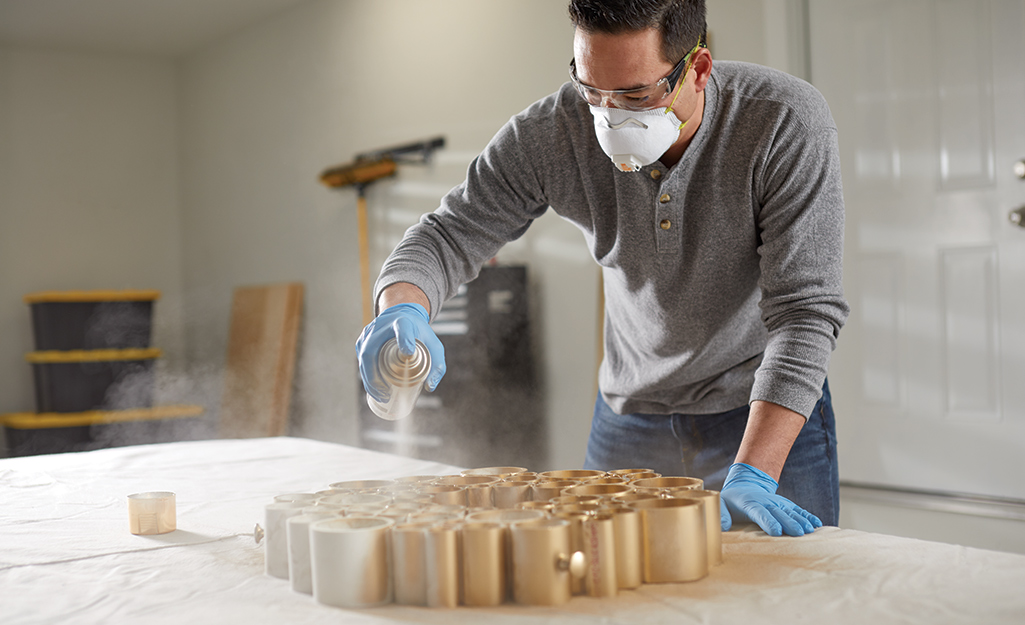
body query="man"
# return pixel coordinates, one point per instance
(718, 224)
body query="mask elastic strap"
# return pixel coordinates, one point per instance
(683, 79)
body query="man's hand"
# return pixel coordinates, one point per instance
(750, 495)
(407, 323)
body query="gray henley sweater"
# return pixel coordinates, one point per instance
(722, 274)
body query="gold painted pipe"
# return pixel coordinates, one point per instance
(600, 542)
(442, 565)
(478, 491)
(445, 494)
(578, 585)
(586, 507)
(353, 499)
(507, 494)
(526, 476)
(361, 486)
(409, 557)
(543, 491)
(480, 495)
(543, 562)
(466, 480)
(500, 472)
(414, 497)
(300, 575)
(564, 499)
(275, 523)
(601, 490)
(365, 509)
(303, 498)
(349, 561)
(634, 474)
(713, 520)
(454, 510)
(626, 522)
(635, 496)
(506, 519)
(611, 479)
(434, 517)
(544, 506)
(673, 539)
(399, 512)
(484, 564)
(571, 474)
(416, 479)
(667, 484)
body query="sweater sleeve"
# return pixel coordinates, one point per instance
(497, 202)
(800, 225)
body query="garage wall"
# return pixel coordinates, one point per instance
(88, 192)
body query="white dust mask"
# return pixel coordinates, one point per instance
(634, 139)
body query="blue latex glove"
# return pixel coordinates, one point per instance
(750, 495)
(407, 323)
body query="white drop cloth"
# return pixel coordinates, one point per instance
(66, 555)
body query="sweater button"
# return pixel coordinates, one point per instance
(665, 198)
(656, 174)
(665, 224)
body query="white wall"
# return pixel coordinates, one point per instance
(88, 192)
(767, 32)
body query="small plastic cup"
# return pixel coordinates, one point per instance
(151, 513)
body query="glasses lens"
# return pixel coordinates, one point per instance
(645, 98)
(634, 100)
(637, 100)
(591, 96)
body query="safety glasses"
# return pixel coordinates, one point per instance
(638, 99)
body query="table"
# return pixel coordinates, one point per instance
(66, 555)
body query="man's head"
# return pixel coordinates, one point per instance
(641, 55)
(680, 23)
(633, 54)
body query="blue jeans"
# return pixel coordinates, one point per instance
(705, 446)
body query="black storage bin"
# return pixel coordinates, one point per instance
(78, 381)
(73, 320)
(31, 434)
(31, 442)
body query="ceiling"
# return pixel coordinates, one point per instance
(163, 28)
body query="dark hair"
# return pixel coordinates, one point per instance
(680, 22)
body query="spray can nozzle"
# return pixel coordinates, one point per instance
(404, 375)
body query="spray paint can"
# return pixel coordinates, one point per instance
(404, 376)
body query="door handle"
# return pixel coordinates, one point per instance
(1017, 216)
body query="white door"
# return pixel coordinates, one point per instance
(929, 374)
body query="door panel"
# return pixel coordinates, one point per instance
(970, 332)
(929, 374)
(882, 384)
(965, 90)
